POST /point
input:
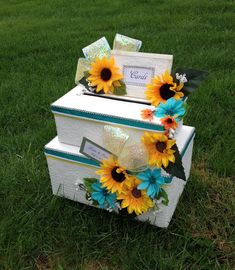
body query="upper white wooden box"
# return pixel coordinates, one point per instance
(79, 115)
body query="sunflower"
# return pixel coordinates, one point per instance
(104, 75)
(159, 148)
(162, 88)
(113, 176)
(169, 122)
(134, 199)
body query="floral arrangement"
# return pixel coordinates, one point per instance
(140, 187)
(119, 187)
(168, 93)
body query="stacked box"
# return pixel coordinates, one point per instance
(78, 115)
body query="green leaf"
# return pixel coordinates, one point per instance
(120, 90)
(162, 194)
(176, 168)
(195, 78)
(186, 107)
(85, 83)
(86, 74)
(88, 183)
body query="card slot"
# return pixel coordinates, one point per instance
(119, 99)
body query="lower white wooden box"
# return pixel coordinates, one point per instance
(67, 168)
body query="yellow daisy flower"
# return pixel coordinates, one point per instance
(113, 176)
(104, 75)
(162, 88)
(159, 148)
(134, 199)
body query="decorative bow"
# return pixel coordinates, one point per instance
(133, 156)
(101, 48)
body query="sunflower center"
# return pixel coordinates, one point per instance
(118, 177)
(165, 91)
(169, 121)
(160, 146)
(105, 74)
(136, 193)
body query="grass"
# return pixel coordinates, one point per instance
(40, 44)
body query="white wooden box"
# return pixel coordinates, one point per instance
(67, 168)
(78, 115)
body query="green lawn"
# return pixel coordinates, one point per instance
(40, 42)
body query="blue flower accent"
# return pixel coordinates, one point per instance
(172, 107)
(104, 198)
(152, 181)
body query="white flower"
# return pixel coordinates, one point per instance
(171, 133)
(118, 205)
(181, 77)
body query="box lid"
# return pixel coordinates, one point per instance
(71, 153)
(102, 109)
